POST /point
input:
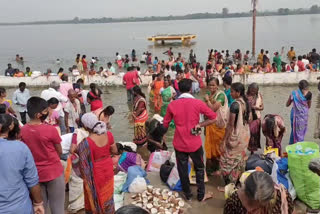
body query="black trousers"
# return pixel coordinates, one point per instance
(182, 165)
(23, 116)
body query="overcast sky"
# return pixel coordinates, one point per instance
(35, 10)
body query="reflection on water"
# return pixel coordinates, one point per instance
(274, 102)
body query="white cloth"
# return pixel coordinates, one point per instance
(305, 62)
(66, 141)
(50, 93)
(21, 99)
(119, 57)
(186, 95)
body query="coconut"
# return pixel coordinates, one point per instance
(133, 202)
(149, 188)
(170, 193)
(139, 205)
(149, 206)
(176, 195)
(154, 211)
(181, 204)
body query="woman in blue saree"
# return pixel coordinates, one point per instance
(301, 100)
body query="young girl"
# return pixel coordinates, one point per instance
(53, 117)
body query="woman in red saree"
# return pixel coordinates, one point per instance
(94, 165)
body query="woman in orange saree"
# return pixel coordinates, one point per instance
(157, 100)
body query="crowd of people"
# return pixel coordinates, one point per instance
(218, 62)
(62, 133)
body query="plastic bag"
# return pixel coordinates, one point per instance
(138, 185)
(280, 175)
(157, 159)
(262, 161)
(165, 170)
(306, 183)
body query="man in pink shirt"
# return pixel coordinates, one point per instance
(130, 79)
(65, 86)
(187, 142)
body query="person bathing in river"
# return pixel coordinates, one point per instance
(217, 102)
(256, 104)
(301, 101)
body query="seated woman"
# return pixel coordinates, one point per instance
(259, 195)
(128, 158)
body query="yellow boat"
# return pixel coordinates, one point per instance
(184, 38)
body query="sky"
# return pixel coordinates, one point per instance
(36, 10)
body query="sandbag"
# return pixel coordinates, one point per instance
(262, 161)
(306, 183)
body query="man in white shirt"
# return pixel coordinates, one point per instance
(72, 111)
(20, 98)
(53, 91)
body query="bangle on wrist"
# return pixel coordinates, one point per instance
(38, 204)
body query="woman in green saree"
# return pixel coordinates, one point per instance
(168, 94)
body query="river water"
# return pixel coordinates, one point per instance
(274, 101)
(41, 45)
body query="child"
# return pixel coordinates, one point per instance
(53, 116)
(45, 144)
(105, 116)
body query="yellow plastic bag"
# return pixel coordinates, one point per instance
(271, 150)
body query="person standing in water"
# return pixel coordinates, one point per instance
(301, 100)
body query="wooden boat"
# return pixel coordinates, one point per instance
(184, 38)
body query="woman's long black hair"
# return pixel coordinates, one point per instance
(94, 89)
(137, 90)
(239, 87)
(270, 123)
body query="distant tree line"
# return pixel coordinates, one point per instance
(315, 9)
